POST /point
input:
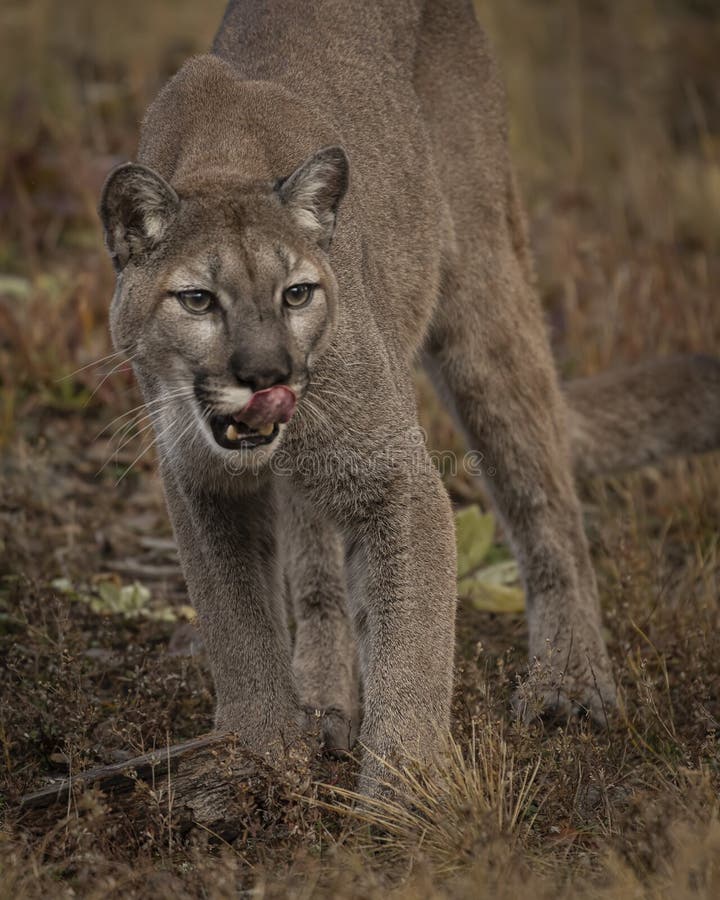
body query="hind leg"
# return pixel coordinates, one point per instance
(489, 352)
(324, 659)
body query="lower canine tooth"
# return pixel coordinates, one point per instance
(266, 430)
(232, 433)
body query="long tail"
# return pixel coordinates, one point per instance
(630, 417)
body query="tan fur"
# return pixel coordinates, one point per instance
(425, 251)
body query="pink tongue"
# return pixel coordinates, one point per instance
(275, 404)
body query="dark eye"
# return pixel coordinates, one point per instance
(197, 302)
(298, 295)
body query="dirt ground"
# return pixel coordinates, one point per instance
(615, 111)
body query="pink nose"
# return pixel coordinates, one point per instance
(274, 404)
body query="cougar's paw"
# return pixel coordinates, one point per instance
(332, 728)
(391, 784)
(551, 692)
(275, 741)
(378, 783)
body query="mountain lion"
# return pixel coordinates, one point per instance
(317, 203)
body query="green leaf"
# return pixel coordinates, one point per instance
(129, 601)
(64, 585)
(495, 589)
(474, 535)
(13, 286)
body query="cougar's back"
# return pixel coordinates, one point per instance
(284, 78)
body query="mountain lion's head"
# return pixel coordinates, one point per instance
(225, 298)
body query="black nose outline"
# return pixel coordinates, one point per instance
(259, 376)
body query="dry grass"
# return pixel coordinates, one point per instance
(616, 124)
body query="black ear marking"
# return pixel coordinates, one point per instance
(135, 207)
(315, 190)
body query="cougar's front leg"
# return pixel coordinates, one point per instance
(403, 595)
(491, 355)
(325, 655)
(228, 553)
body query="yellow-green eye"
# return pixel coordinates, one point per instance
(197, 302)
(298, 295)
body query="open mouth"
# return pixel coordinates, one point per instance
(234, 435)
(258, 422)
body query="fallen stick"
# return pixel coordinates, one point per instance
(209, 781)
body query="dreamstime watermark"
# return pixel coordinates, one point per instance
(406, 453)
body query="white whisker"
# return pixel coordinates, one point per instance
(111, 372)
(143, 452)
(114, 454)
(171, 395)
(339, 395)
(95, 362)
(316, 414)
(181, 435)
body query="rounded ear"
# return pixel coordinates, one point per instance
(135, 207)
(314, 191)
